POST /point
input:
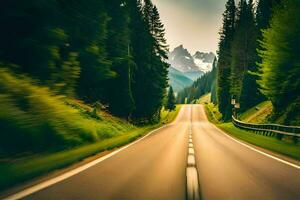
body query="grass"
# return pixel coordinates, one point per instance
(213, 113)
(34, 118)
(258, 114)
(18, 171)
(204, 99)
(167, 117)
(282, 147)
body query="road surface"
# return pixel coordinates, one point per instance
(155, 168)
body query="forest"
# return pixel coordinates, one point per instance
(108, 55)
(257, 60)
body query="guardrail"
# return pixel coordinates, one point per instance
(276, 130)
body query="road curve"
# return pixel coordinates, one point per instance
(155, 169)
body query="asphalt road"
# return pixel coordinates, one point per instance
(155, 169)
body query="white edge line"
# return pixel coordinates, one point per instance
(258, 151)
(45, 184)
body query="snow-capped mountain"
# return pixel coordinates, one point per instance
(204, 60)
(192, 66)
(182, 60)
(186, 68)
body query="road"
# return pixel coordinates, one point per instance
(155, 168)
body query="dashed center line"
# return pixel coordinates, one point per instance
(193, 191)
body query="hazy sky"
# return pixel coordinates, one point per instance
(193, 23)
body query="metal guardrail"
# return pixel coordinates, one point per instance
(269, 129)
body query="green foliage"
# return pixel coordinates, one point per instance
(224, 69)
(280, 66)
(93, 50)
(170, 104)
(149, 50)
(244, 56)
(213, 113)
(33, 118)
(237, 66)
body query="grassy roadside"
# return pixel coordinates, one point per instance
(25, 169)
(284, 147)
(258, 114)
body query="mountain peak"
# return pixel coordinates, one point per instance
(181, 59)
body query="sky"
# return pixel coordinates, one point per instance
(193, 23)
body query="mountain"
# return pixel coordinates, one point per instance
(204, 60)
(178, 80)
(185, 67)
(182, 60)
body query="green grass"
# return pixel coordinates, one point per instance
(34, 118)
(19, 170)
(283, 147)
(167, 116)
(213, 113)
(204, 99)
(258, 114)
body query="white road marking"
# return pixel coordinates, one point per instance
(191, 161)
(193, 190)
(192, 184)
(191, 151)
(45, 184)
(258, 151)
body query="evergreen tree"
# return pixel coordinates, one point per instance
(200, 87)
(224, 62)
(140, 49)
(31, 38)
(280, 68)
(114, 51)
(86, 24)
(151, 75)
(264, 13)
(250, 88)
(170, 104)
(214, 83)
(119, 94)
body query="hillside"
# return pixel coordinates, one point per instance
(203, 85)
(178, 80)
(258, 114)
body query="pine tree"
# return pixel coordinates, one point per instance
(170, 104)
(31, 38)
(224, 62)
(118, 90)
(264, 13)
(250, 88)
(280, 69)
(151, 75)
(214, 83)
(86, 24)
